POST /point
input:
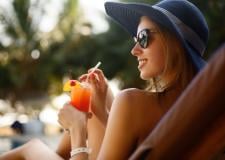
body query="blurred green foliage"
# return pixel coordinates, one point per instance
(213, 10)
(20, 74)
(66, 51)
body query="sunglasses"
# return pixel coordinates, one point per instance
(143, 37)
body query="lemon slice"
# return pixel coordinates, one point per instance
(69, 84)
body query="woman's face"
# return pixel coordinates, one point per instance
(151, 60)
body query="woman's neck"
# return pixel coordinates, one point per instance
(170, 95)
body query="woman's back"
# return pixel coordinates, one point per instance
(133, 115)
(148, 107)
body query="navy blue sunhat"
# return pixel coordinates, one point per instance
(181, 17)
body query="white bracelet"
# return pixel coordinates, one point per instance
(80, 150)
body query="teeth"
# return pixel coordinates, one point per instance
(141, 61)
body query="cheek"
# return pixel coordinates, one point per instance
(157, 50)
(157, 59)
(155, 66)
(156, 63)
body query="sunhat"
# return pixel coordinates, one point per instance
(181, 17)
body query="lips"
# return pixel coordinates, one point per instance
(141, 63)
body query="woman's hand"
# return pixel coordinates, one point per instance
(102, 96)
(75, 122)
(71, 118)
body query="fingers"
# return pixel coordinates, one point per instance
(87, 77)
(62, 113)
(60, 118)
(93, 80)
(98, 76)
(89, 115)
(69, 116)
(83, 78)
(99, 73)
(66, 131)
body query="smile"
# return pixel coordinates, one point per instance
(142, 62)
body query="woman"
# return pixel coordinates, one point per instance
(168, 50)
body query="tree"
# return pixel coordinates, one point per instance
(27, 62)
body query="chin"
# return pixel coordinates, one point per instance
(145, 77)
(148, 75)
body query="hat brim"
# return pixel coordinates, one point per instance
(128, 16)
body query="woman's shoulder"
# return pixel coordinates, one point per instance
(133, 105)
(134, 96)
(135, 92)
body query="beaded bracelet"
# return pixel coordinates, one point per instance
(80, 150)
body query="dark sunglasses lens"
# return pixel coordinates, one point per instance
(143, 38)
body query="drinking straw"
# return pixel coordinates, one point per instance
(95, 67)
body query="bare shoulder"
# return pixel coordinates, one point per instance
(133, 111)
(134, 96)
(137, 103)
(143, 110)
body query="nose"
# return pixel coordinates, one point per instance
(136, 50)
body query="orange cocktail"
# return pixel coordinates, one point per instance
(80, 92)
(80, 95)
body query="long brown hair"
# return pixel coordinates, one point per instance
(178, 66)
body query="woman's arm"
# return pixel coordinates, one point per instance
(102, 96)
(75, 122)
(78, 139)
(64, 146)
(121, 135)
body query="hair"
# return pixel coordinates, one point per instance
(178, 65)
